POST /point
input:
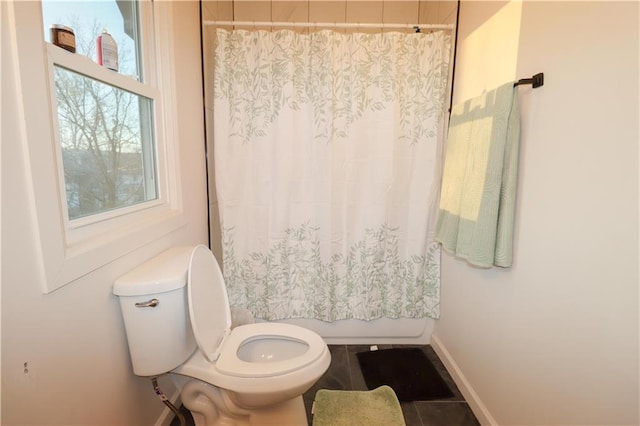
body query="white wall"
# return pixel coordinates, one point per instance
(554, 339)
(73, 339)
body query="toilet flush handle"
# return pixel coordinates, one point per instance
(148, 304)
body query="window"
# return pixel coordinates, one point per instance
(102, 150)
(106, 139)
(89, 18)
(104, 128)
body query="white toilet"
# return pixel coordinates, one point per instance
(177, 319)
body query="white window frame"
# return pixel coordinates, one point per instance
(73, 248)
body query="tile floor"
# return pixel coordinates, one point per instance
(344, 374)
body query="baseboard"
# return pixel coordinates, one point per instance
(166, 417)
(479, 409)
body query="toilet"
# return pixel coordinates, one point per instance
(178, 322)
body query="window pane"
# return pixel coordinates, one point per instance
(89, 18)
(107, 145)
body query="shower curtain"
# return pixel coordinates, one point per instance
(325, 167)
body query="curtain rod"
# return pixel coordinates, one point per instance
(416, 27)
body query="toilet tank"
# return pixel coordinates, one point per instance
(153, 300)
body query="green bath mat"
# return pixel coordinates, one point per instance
(378, 407)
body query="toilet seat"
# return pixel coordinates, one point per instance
(210, 317)
(229, 363)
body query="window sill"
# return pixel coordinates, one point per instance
(65, 264)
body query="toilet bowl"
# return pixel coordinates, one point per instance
(263, 364)
(177, 320)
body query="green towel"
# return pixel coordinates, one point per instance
(378, 407)
(477, 200)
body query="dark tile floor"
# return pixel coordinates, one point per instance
(344, 374)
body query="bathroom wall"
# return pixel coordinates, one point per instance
(554, 339)
(73, 342)
(352, 11)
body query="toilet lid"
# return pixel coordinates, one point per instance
(208, 303)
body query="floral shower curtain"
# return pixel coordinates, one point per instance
(325, 158)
